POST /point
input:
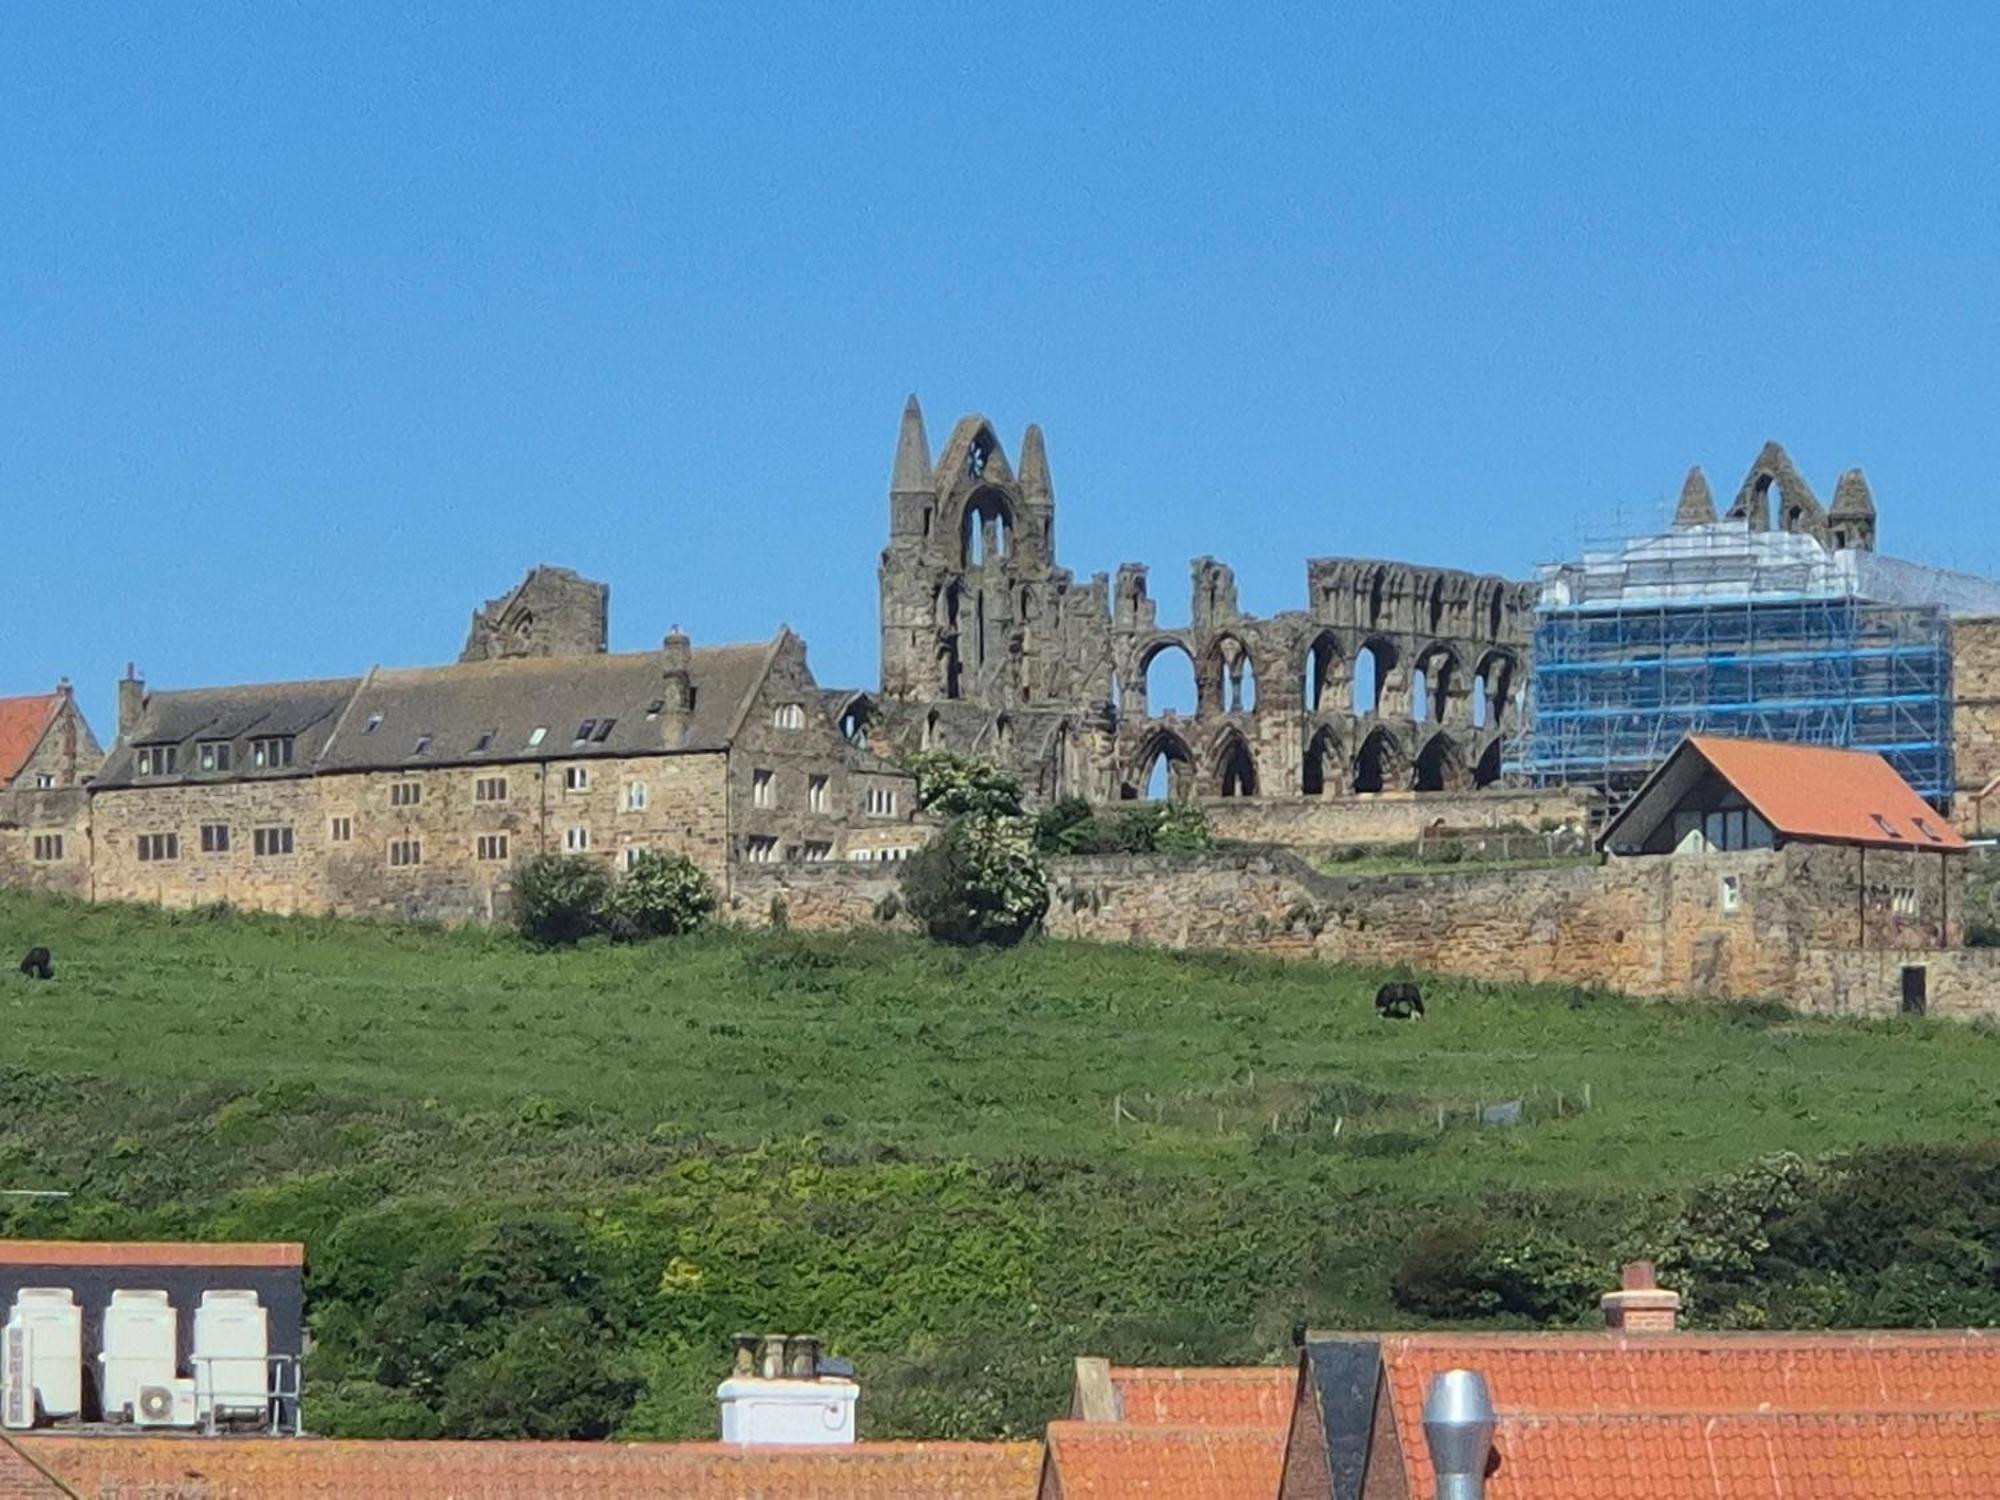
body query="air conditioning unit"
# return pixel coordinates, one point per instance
(168, 1405)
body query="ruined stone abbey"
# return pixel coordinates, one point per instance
(1391, 677)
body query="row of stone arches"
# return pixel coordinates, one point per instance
(1165, 766)
(1436, 687)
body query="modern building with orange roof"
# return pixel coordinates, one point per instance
(1715, 795)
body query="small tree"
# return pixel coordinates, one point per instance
(560, 898)
(951, 786)
(978, 882)
(662, 895)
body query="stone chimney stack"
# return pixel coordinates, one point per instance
(1642, 1305)
(131, 700)
(676, 688)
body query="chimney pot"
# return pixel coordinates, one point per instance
(744, 1364)
(773, 1361)
(1641, 1304)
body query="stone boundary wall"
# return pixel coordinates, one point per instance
(832, 897)
(1385, 818)
(1961, 983)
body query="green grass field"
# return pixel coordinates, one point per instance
(964, 1168)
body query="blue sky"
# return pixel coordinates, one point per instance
(319, 323)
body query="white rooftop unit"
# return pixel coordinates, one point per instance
(782, 1392)
(42, 1361)
(141, 1348)
(232, 1345)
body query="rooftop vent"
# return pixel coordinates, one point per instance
(1458, 1429)
(783, 1389)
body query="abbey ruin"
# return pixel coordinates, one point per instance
(1392, 677)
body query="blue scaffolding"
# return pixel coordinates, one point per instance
(1617, 687)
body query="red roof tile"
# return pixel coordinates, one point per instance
(237, 1255)
(1122, 1461)
(1253, 1397)
(23, 722)
(1719, 1417)
(1808, 792)
(193, 1468)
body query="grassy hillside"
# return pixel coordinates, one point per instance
(964, 1169)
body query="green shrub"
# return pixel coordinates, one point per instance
(1459, 1269)
(1069, 827)
(1183, 829)
(662, 895)
(561, 898)
(553, 1377)
(978, 882)
(955, 786)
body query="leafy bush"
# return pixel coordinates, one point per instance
(560, 898)
(662, 895)
(1074, 826)
(978, 882)
(954, 786)
(1183, 829)
(554, 1376)
(1460, 1270)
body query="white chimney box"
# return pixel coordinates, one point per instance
(783, 1399)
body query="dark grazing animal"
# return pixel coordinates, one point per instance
(38, 964)
(1400, 1002)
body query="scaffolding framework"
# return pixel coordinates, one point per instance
(1617, 687)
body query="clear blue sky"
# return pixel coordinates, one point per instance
(320, 322)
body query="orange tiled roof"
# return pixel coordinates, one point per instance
(23, 722)
(219, 1253)
(193, 1468)
(1860, 1416)
(1253, 1397)
(1124, 1461)
(1808, 792)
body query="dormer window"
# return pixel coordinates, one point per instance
(213, 755)
(271, 752)
(158, 760)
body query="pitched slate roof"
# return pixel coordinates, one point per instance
(195, 1468)
(452, 707)
(1126, 1461)
(23, 722)
(1853, 1416)
(1246, 1397)
(306, 711)
(1803, 791)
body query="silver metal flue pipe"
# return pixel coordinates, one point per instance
(1458, 1428)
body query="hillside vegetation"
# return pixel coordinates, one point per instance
(961, 1168)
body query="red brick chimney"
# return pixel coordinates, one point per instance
(1641, 1305)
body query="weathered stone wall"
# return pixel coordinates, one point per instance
(27, 814)
(1389, 818)
(795, 749)
(1729, 926)
(818, 898)
(1960, 983)
(684, 810)
(1975, 674)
